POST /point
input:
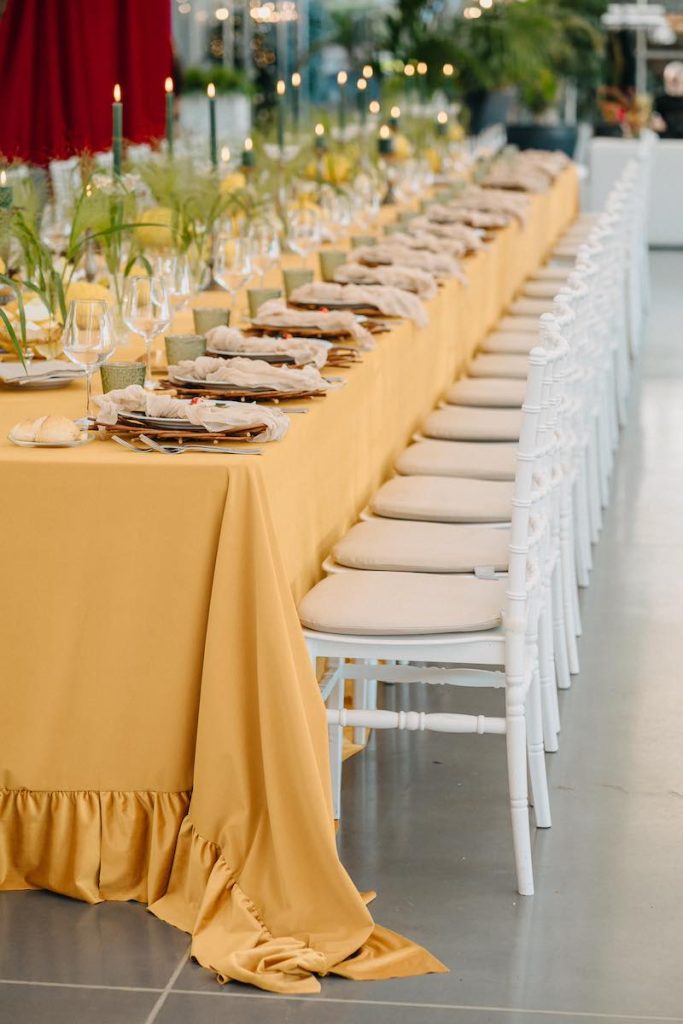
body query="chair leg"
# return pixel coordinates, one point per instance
(536, 754)
(583, 546)
(549, 706)
(517, 784)
(335, 735)
(559, 632)
(364, 698)
(567, 582)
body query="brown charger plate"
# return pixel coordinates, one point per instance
(186, 391)
(232, 434)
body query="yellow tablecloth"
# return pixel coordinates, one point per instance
(162, 737)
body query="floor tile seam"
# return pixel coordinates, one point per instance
(625, 1018)
(163, 995)
(79, 985)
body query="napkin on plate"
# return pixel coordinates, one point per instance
(413, 238)
(439, 222)
(11, 372)
(302, 350)
(389, 253)
(410, 279)
(384, 298)
(250, 374)
(214, 418)
(276, 313)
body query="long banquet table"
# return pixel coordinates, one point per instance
(162, 738)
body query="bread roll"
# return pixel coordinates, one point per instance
(24, 431)
(57, 428)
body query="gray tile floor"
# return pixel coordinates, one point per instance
(426, 821)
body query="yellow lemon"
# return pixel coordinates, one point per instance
(233, 182)
(87, 290)
(433, 158)
(158, 235)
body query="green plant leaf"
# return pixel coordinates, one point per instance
(16, 344)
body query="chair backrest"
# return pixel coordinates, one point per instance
(532, 496)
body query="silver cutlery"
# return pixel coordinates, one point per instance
(170, 449)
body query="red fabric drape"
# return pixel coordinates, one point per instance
(59, 61)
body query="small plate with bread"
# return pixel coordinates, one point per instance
(49, 432)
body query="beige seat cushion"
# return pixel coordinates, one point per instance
(444, 499)
(531, 307)
(468, 459)
(488, 364)
(542, 289)
(394, 545)
(487, 392)
(551, 273)
(402, 604)
(510, 342)
(523, 324)
(457, 423)
(567, 250)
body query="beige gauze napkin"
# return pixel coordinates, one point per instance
(495, 200)
(413, 238)
(410, 279)
(276, 313)
(302, 350)
(250, 374)
(388, 300)
(446, 227)
(214, 418)
(389, 253)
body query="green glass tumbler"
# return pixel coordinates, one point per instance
(120, 375)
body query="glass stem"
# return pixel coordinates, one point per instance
(149, 382)
(88, 376)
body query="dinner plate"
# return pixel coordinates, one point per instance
(159, 422)
(22, 384)
(267, 357)
(216, 385)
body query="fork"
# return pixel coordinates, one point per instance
(170, 449)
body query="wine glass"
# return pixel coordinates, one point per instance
(304, 232)
(265, 247)
(232, 262)
(146, 312)
(176, 273)
(55, 227)
(88, 339)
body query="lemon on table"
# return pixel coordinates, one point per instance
(233, 182)
(154, 228)
(88, 290)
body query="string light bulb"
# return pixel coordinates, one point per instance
(367, 71)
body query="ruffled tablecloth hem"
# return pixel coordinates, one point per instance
(141, 846)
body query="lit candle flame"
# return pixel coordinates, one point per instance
(409, 70)
(168, 85)
(248, 144)
(422, 68)
(374, 107)
(342, 78)
(3, 177)
(384, 132)
(211, 91)
(396, 112)
(117, 93)
(442, 117)
(367, 71)
(296, 80)
(362, 84)
(448, 70)
(280, 88)
(319, 130)
(225, 154)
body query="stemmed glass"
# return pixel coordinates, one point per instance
(146, 312)
(88, 339)
(232, 262)
(304, 232)
(265, 247)
(55, 227)
(176, 273)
